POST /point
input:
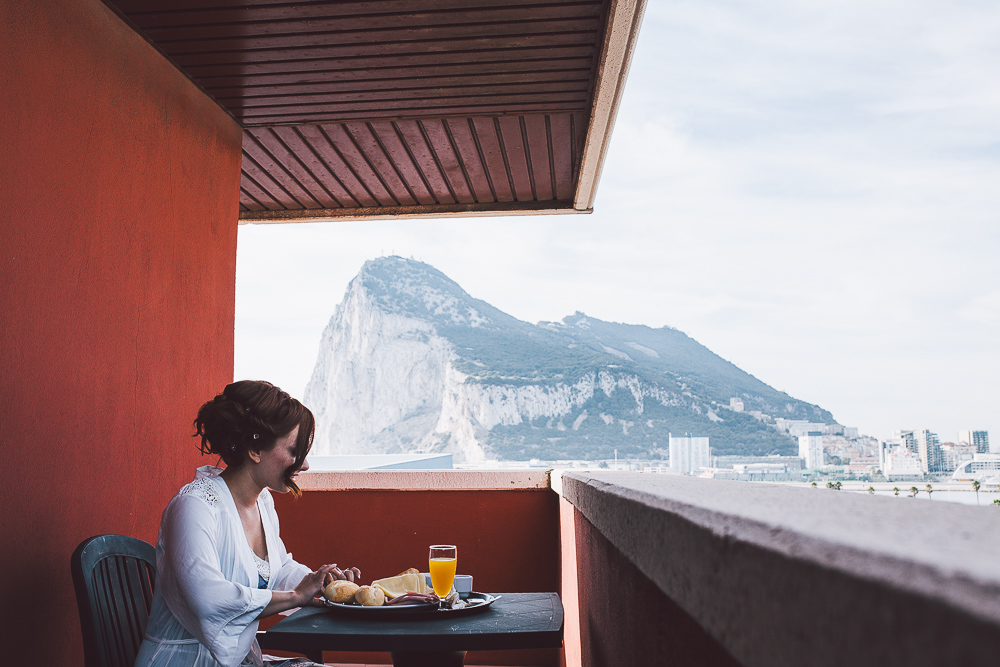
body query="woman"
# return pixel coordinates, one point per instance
(221, 565)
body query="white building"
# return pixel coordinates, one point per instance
(983, 468)
(689, 453)
(955, 454)
(801, 428)
(736, 404)
(902, 464)
(929, 450)
(811, 449)
(980, 439)
(908, 439)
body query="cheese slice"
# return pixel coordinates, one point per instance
(402, 584)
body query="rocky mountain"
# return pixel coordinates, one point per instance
(411, 363)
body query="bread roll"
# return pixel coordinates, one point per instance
(340, 591)
(370, 596)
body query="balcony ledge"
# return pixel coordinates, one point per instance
(792, 576)
(423, 480)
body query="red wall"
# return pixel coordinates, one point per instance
(119, 186)
(507, 540)
(623, 618)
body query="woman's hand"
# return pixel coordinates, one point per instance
(351, 574)
(304, 594)
(313, 583)
(331, 575)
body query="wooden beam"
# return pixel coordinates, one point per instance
(495, 209)
(624, 19)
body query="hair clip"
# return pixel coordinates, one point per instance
(256, 436)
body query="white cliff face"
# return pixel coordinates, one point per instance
(410, 363)
(378, 381)
(386, 383)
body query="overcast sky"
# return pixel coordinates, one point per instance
(811, 189)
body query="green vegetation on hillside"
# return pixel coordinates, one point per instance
(684, 387)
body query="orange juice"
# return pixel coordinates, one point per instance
(442, 574)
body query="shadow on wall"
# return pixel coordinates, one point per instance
(625, 619)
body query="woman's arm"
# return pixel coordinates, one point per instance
(295, 585)
(311, 585)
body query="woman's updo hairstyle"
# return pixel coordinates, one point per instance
(253, 415)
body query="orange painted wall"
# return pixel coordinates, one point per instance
(507, 540)
(569, 584)
(119, 185)
(623, 618)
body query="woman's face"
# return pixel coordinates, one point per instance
(275, 462)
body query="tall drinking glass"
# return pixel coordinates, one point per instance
(442, 565)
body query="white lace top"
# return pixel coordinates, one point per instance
(263, 566)
(207, 596)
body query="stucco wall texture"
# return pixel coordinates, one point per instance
(621, 616)
(119, 185)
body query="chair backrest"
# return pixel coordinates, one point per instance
(114, 577)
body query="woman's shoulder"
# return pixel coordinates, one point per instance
(202, 489)
(205, 487)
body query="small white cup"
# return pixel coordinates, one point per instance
(463, 584)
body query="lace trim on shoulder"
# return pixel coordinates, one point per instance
(201, 488)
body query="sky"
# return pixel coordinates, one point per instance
(811, 189)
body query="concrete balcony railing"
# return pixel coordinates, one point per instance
(663, 569)
(710, 572)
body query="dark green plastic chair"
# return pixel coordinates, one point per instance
(114, 577)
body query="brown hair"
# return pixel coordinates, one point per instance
(253, 415)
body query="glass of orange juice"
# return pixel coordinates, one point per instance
(442, 565)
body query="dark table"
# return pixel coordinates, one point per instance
(515, 621)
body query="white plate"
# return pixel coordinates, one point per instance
(384, 609)
(476, 603)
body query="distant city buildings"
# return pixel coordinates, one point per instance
(762, 470)
(689, 453)
(935, 457)
(790, 463)
(982, 468)
(906, 438)
(902, 464)
(955, 454)
(850, 449)
(929, 451)
(799, 427)
(979, 439)
(834, 449)
(811, 449)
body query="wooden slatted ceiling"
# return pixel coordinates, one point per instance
(413, 162)
(393, 103)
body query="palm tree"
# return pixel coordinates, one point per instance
(814, 485)
(914, 491)
(837, 485)
(929, 491)
(996, 501)
(895, 490)
(975, 487)
(871, 490)
(829, 485)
